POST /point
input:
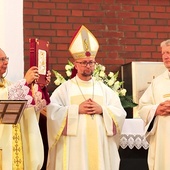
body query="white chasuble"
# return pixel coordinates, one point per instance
(81, 141)
(159, 134)
(5, 136)
(30, 146)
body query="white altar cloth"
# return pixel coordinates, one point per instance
(133, 134)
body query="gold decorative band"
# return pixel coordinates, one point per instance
(17, 152)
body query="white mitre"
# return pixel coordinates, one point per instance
(84, 44)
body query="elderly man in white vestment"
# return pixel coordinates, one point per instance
(85, 117)
(21, 146)
(154, 109)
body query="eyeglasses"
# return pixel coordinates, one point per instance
(85, 63)
(3, 59)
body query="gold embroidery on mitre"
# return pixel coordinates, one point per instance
(166, 95)
(86, 45)
(17, 152)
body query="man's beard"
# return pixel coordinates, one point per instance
(87, 74)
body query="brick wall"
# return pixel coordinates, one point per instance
(127, 30)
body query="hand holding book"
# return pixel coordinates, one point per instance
(39, 50)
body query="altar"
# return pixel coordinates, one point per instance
(133, 148)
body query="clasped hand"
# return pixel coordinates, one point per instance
(163, 108)
(90, 107)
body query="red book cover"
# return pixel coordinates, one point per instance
(39, 54)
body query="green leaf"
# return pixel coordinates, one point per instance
(57, 74)
(70, 63)
(127, 101)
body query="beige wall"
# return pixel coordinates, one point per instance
(11, 36)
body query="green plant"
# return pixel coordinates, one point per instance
(111, 80)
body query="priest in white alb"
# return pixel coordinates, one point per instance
(21, 146)
(154, 109)
(85, 117)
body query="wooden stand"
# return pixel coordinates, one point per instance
(11, 111)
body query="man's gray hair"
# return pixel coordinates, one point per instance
(165, 43)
